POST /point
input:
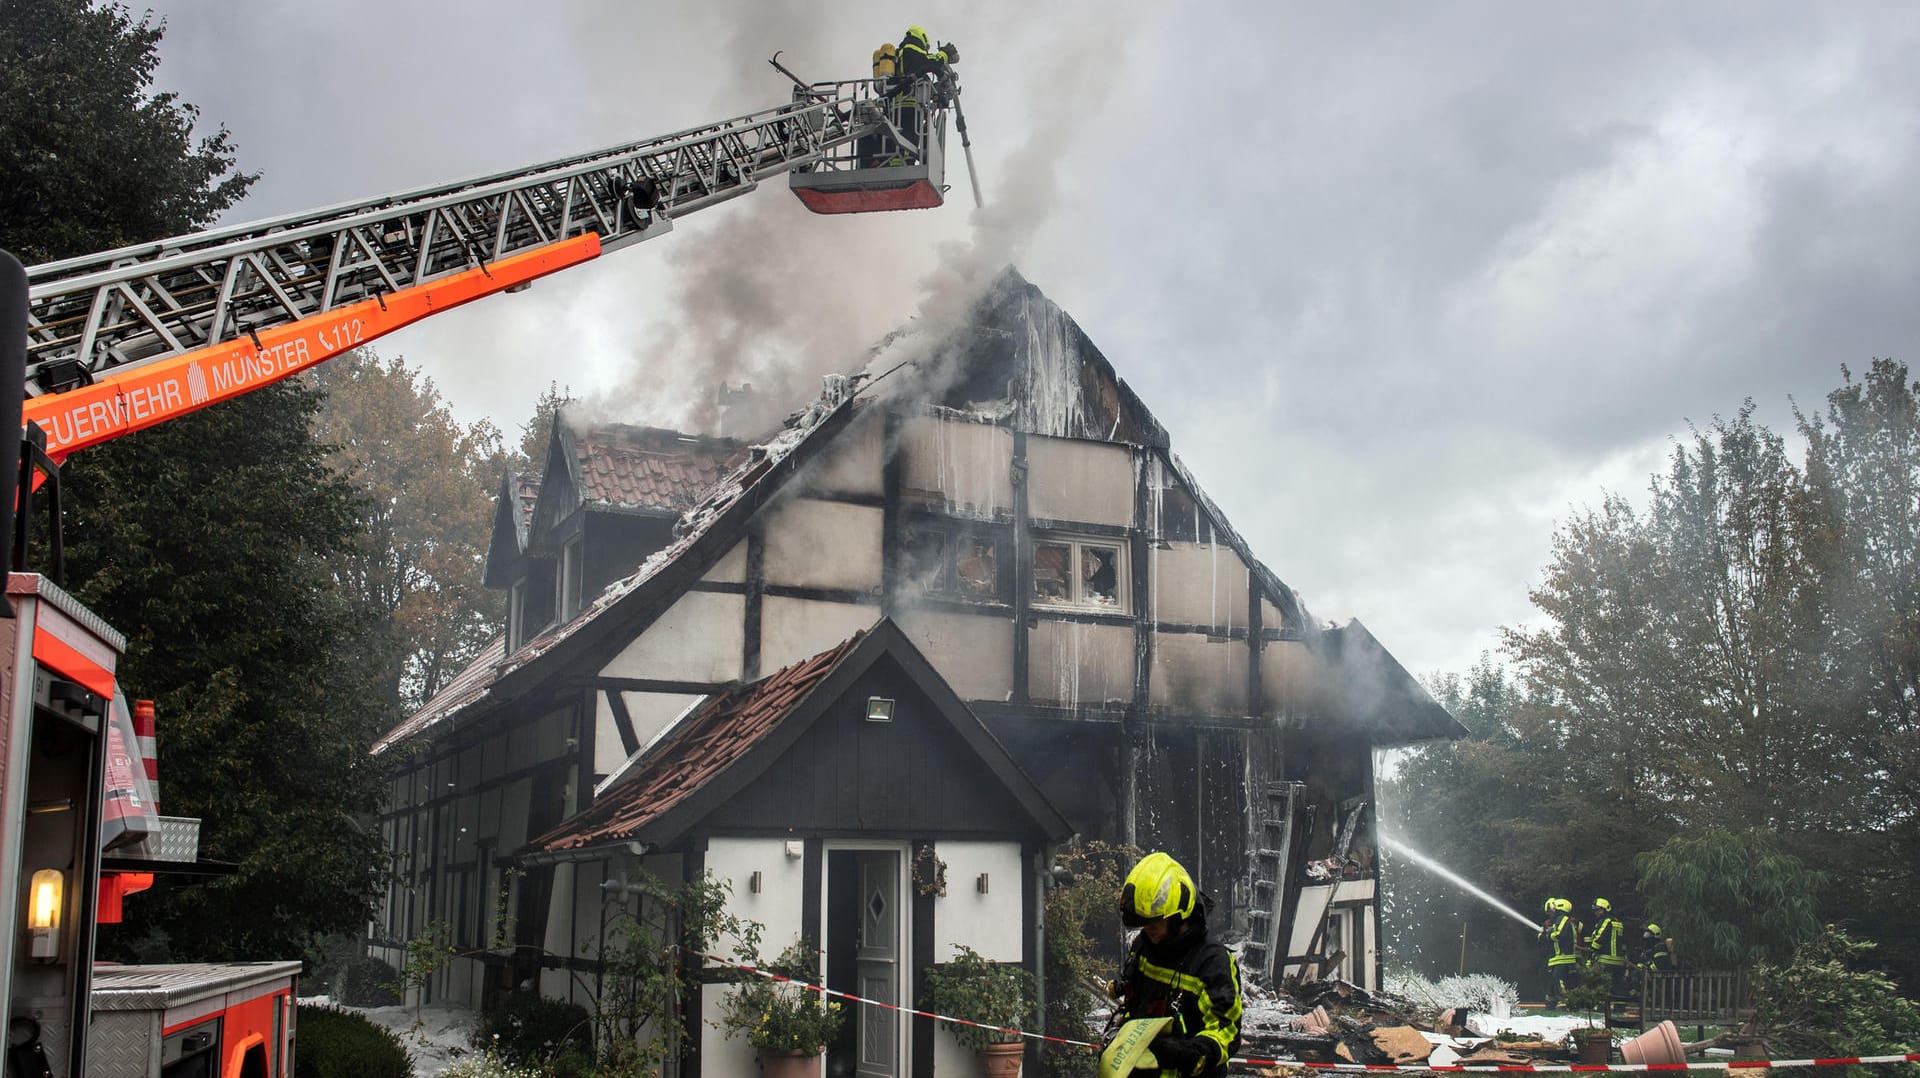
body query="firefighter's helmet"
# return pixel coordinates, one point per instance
(1653, 929)
(1157, 887)
(1563, 905)
(1603, 905)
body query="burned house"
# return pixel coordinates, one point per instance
(1002, 509)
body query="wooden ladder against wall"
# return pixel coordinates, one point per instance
(1270, 861)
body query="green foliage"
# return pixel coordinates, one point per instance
(90, 157)
(777, 1017)
(527, 1028)
(1822, 1004)
(977, 990)
(1736, 650)
(491, 1064)
(369, 982)
(643, 977)
(209, 541)
(1084, 940)
(1592, 995)
(426, 486)
(1731, 899)
(340, 1044)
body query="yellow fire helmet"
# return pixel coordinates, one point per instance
(1603, 905)
(1564, 905)
(918, 34)
(1653, 930)
(1157, 887)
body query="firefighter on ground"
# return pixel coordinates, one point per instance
(1606, 944)
(1173, 970)
(1561, 935)
(923, 76)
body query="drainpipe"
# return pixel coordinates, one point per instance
(1043, 882)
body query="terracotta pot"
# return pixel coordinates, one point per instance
(1661, 1044)
(1002, 1060)
(790, 1065)
(1595, 1045)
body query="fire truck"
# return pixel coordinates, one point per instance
(106, 344)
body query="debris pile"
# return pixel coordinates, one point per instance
(1333, 1021)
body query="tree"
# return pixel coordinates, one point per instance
(1731, 899)
(426, 484)
(208, 540)
(90, 158)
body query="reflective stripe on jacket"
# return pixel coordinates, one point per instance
(1564, 934)
(1605, 942)
(1198, 986)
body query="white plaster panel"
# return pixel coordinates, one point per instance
(559, 918)
(733, 861)
(795, 629)
(697, 639)
(720, 1052)
(815, 544)
(732, 566)
(973, 653)
(1289, 674)
(588, 902)
(1071, 664)
(608, 752)
(1270, 616)
(1199, 674)
(1068, 479)
(991, 923)
(949, 1059)
(852, 462)
(967, 465)
(1198, 584)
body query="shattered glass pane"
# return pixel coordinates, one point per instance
(924, 561)
(1052, 568)
(977, 569)
(1100, 575)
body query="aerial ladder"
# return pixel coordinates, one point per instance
(125, 339)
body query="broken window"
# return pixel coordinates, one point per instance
(952, 563)
(1077, 572)
(976, 568)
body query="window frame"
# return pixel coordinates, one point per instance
(569, 580)
(1075, 544)
(952, 536)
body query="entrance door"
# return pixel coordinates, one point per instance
(877, 962)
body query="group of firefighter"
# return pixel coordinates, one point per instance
(1572, 949)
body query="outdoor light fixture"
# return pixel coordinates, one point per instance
(796, 849)
(980, 884)
(43, 913)
(753, 882)
(879, 709)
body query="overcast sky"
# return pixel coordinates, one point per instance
(1405, 282)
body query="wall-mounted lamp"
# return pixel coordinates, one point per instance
(44, 903)
(753, 882)
(796, 849)
(980, 884)
(879, 709)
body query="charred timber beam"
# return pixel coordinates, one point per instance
(1114, 715)
(1256, 691)
(645, 684)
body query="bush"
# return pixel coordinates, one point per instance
(779, 1017)
(368, 982)
(1084, 943)
(526, 1027)
(977, 990)
(1829, 1002)
(340, 1044)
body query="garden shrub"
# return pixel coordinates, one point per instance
(526, 1027)
(332, 1043)
(368, 982)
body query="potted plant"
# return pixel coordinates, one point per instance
(1593, 996)
(788, 1025)
(1001, 996)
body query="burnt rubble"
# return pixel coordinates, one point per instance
(1334, 1021)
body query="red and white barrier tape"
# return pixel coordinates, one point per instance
(1408, 1068)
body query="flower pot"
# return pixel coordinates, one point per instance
(790, 1065)
(1661, 1044)
(1594, 1045)
(1002, 1060)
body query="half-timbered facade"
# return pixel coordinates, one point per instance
(1010, 505)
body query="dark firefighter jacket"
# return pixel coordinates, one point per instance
(1605, 942)
(1659, 954)
(917, 59)
(1192, 979)
(1563, 934)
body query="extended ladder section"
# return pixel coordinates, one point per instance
(128, 338)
